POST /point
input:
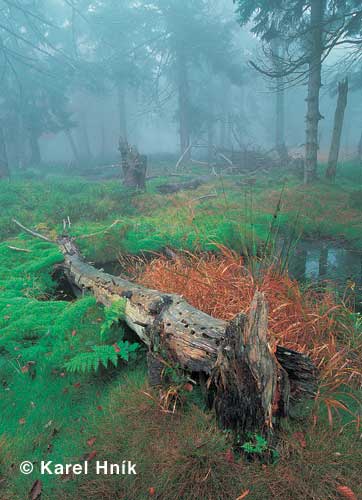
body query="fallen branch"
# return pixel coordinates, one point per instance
(33, 233)
(17, 249)
(183, 156)
(84, 236)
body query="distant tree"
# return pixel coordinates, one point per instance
(278, 48)
(197, 45)
(159, 49)
(120, 41)
(311, 30)
(4, 166)
(337, 130)
(35, 69)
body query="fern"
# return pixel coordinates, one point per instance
(101, 355)
(112, 315)
(87, 361)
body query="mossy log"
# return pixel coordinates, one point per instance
(249, 383)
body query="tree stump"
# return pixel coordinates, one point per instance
(252, 390)
(134, 166)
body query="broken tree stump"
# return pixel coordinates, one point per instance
(252, 390)
(250, 384)
(134, 166)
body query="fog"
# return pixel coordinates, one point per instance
(78, 75)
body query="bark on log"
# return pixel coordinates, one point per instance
(252, 388)
(190, 337)
(250, 384)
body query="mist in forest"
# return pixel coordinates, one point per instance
(78, 74)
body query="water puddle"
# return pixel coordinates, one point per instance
(319, 261)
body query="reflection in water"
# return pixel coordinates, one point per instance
(315, 261)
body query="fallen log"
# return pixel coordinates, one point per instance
(180, 186)
(250, 384)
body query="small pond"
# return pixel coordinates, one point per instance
(316, 261)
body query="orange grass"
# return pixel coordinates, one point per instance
(308, 321)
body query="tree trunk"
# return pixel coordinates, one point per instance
(210, 142)
(85, 137)
(15, 139)
(102, 149)
(134, 166)
(35, 156)
(73, 147)
(337, 130)
(249, 382)
(280, 146)
(314, 84)
(122, 110)
(183, 105)
(225, 90)
(4, 166)
(280, 124)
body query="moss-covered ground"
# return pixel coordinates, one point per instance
(49, 413)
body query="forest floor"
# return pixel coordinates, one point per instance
(53, 409)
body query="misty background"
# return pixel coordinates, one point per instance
(110, 68)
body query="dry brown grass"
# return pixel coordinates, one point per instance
(308, 321)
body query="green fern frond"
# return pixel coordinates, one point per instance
(113, 314)
(86, 362)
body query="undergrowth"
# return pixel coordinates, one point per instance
(66, 392)
(44, 406)
(107, 219)
(184, 456)
(306, 320)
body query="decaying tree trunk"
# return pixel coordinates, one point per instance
(250, 383)
(337, 129)
(134, 166)
(252, 388)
